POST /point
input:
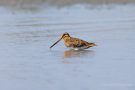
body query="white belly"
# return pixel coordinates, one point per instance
(79, 48)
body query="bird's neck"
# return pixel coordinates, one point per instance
(66, 39)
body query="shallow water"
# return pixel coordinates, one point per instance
(27, 63)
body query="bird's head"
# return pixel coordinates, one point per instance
(65, 35)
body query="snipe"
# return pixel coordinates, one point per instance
(74, 43)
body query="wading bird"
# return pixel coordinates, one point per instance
(74, 43)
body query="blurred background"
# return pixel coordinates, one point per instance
(61, 2)
(15, 2)
(29, 27)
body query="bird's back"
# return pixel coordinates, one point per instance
(77, 43)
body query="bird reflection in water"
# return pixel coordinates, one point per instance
(79, 53)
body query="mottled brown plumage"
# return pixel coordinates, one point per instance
(74, 43)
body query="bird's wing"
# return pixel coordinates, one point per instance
(78, 42)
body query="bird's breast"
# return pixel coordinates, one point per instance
(67, 42)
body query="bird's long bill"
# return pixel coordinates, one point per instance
(55, 43)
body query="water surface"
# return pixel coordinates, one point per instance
(27, 63)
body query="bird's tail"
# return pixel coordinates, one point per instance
(92, 44)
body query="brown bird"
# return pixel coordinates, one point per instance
(74, 43)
